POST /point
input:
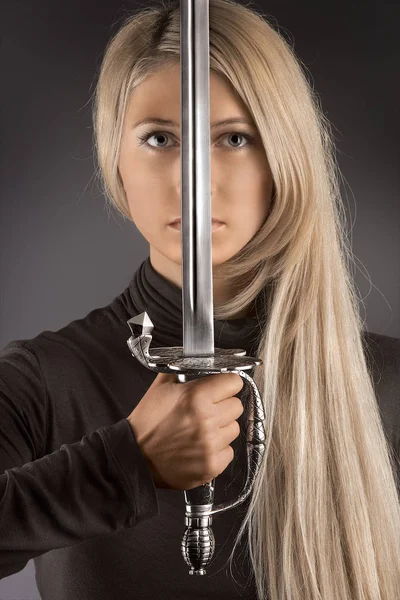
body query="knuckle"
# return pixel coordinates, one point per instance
(239, 382)
(236, 429)
(205, 422)
(240, 407)
(200, 405)
(210, 469)
(228, 456)
(187, 403)
(199, 396)
(196, 407)
(208, 440)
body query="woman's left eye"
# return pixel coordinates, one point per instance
(149, 147)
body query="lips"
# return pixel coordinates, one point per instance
(215, 225)
(178, 220)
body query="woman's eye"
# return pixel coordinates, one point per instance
(158, 136)
(162, 137)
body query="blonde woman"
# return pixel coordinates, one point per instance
(95, 449)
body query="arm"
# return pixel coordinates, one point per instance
(96, 486)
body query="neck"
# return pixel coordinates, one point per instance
(172, 272)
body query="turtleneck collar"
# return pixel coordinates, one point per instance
(162, 300)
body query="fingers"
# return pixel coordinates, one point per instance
(218, 386)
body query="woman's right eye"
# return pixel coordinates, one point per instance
(146, 136)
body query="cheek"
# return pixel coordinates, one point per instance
(137, 178)
(142, 189)
(250, 177)
(250, 200)
(145, 213)
(137, 212)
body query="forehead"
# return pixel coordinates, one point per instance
(159, 94)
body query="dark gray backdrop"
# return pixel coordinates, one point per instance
(62, 253)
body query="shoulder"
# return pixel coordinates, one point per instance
(99, 329)
(18, 359)
(94, 342)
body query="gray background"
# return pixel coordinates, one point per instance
(62, 253)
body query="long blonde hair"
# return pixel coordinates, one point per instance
(324, 518)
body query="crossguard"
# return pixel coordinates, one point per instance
(198, 541)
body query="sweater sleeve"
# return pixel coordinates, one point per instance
(96, 486)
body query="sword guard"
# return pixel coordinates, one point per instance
(173, 360)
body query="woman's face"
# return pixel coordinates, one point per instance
(241, 182)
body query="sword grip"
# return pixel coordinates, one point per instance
(198, 542)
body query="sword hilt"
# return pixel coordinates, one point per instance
(198, 541)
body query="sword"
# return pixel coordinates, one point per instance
(198, 357)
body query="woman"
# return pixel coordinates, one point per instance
(323, 521)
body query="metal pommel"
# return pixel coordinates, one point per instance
(198, 541)
(198, 544)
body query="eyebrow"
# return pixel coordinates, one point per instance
(170, 123)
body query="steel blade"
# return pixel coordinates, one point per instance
(196, 229)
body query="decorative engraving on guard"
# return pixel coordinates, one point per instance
(198, 541)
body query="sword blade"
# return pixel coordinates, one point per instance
(196, 231)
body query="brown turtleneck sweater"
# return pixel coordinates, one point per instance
(76, 494)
